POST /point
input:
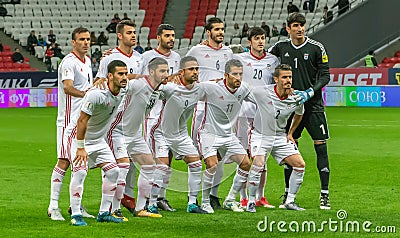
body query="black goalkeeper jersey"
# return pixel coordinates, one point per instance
(309, 62)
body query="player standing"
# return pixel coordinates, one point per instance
(125, 135)
(258, 69)
(171, 134)
(211, 58)
(166, 40)
(268, 135)
(309, 61)
(223, 101)
(74, 78)
(86, 138)
(126, 34)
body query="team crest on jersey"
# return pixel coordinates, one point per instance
(176, 64)
(221, 97)
(66, 72)
(268, 66)
(225, 56)
(306, 56)
(206, 56)
(249, 64)
(119, 149)
(255, 148)
(81, 70)
(239, 97)
(138, 63)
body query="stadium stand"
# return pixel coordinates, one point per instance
(7, 65)
(64, 15)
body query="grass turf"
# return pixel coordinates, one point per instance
(364, 182)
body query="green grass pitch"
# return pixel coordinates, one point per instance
(364, 159)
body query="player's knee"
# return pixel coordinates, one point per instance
(246, 164)
(63, 163)
(111, 172)
(211, 162)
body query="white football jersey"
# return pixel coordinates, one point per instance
(134, 62)
(222, 108)
(139, 99)
(256, 72)
(72, 68)
(178, 105)
(173, 60)
(211, 61)
(272, 111)
(101, 105)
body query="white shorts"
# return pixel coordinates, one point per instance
(61, 143)
(123, 145)
(227, 146)
(98, 152)
(181, 145)
(277, 146)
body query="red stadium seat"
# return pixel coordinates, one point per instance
(386, 60)
(6, 48)
(397, 54)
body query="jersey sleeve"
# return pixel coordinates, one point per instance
(67, 71)
(89, 101)
(323, 76)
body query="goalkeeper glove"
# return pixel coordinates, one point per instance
(303, 96)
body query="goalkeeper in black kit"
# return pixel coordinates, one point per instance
(309, 62)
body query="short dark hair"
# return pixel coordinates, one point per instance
(154, 63)
(280, 67)
(296, 17)
(162, 27)
(371, 52)
(230, 63)
(255, 31)
(112, 66)
(123, 23)
(186, 59)
(78, 30)
(211, 21)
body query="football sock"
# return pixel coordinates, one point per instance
(159, 173)
(263, 181)
(76, 188)
(323, 165)
(238, 181)
(217, 179)
(243, 192)
(288, 172)
(164, 187)
(296, 179)
(254, 181)
(130, 180)
(111, 173)
(194, 180)
(56, 184)
(207, 182)
(144, 185)
(121, 181)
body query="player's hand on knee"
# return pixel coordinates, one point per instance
(303, 96)
(80, 157)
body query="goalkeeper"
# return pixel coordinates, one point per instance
(309, 62)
